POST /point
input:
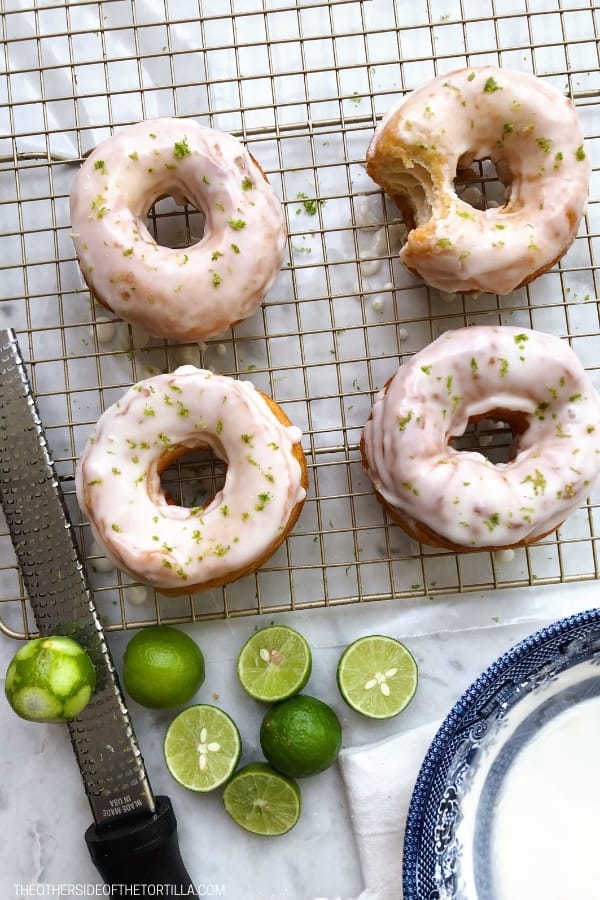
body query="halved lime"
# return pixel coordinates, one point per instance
(202, 747)
(50, 679)
(274, 663)
(262, 801)
(377, 676)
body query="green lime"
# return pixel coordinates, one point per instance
(274, 663)
(50, 679)
(301, 736)
(162, 667)
(202, 747)
(377, 676)
(262, 800)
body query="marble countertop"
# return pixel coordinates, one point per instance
(44, 811)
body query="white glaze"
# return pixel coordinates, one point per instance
(548, 810)
(461, 495)
(530, 130)
(169, 546)
(190, 293)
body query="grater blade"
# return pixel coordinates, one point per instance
(103, 739)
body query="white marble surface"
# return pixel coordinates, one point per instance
(44, 812)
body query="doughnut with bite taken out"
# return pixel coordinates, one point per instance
(533, 135)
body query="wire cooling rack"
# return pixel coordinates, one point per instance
(303, 84)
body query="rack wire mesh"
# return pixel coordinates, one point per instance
(303, 84)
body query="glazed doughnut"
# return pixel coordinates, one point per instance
(191, 293)
(459, 499)
(531, 132)
(176, 549)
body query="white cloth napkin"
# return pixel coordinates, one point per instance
(379, 781)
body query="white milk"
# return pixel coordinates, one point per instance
(545, 834)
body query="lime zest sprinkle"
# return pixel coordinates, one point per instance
(99, 206)
(404, 420)
(474, 366)
(236, 224)
(181, 148)
(490, 86)
(538, 482)
(492, 521)
(580, 153)
(135, 155)
(263, 499)
(100, 167)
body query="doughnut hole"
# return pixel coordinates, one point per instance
(496, 436)
(483, 184)
(174, 222)
(192, 478)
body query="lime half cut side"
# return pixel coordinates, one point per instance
(377, 676)
(274, 663)
(262, 800)
(202, 747)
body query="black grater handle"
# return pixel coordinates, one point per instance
(141, 851)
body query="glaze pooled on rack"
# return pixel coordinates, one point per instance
(173, 548)
(531, 132)
(459, 499)
(190, 293)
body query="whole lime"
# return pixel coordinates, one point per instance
(162, 667)
(301, 736)
(50, 679)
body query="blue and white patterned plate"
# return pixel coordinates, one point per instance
(448, 850)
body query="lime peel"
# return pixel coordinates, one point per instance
(163, 667)
(301, 736)
(50, 679)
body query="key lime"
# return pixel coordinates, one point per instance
(50, 679)
(162, 667)
(202, 747)
(274, 663)
(301, 736)
(377, 676)
(262, 800)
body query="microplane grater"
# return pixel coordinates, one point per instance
(103, 739)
